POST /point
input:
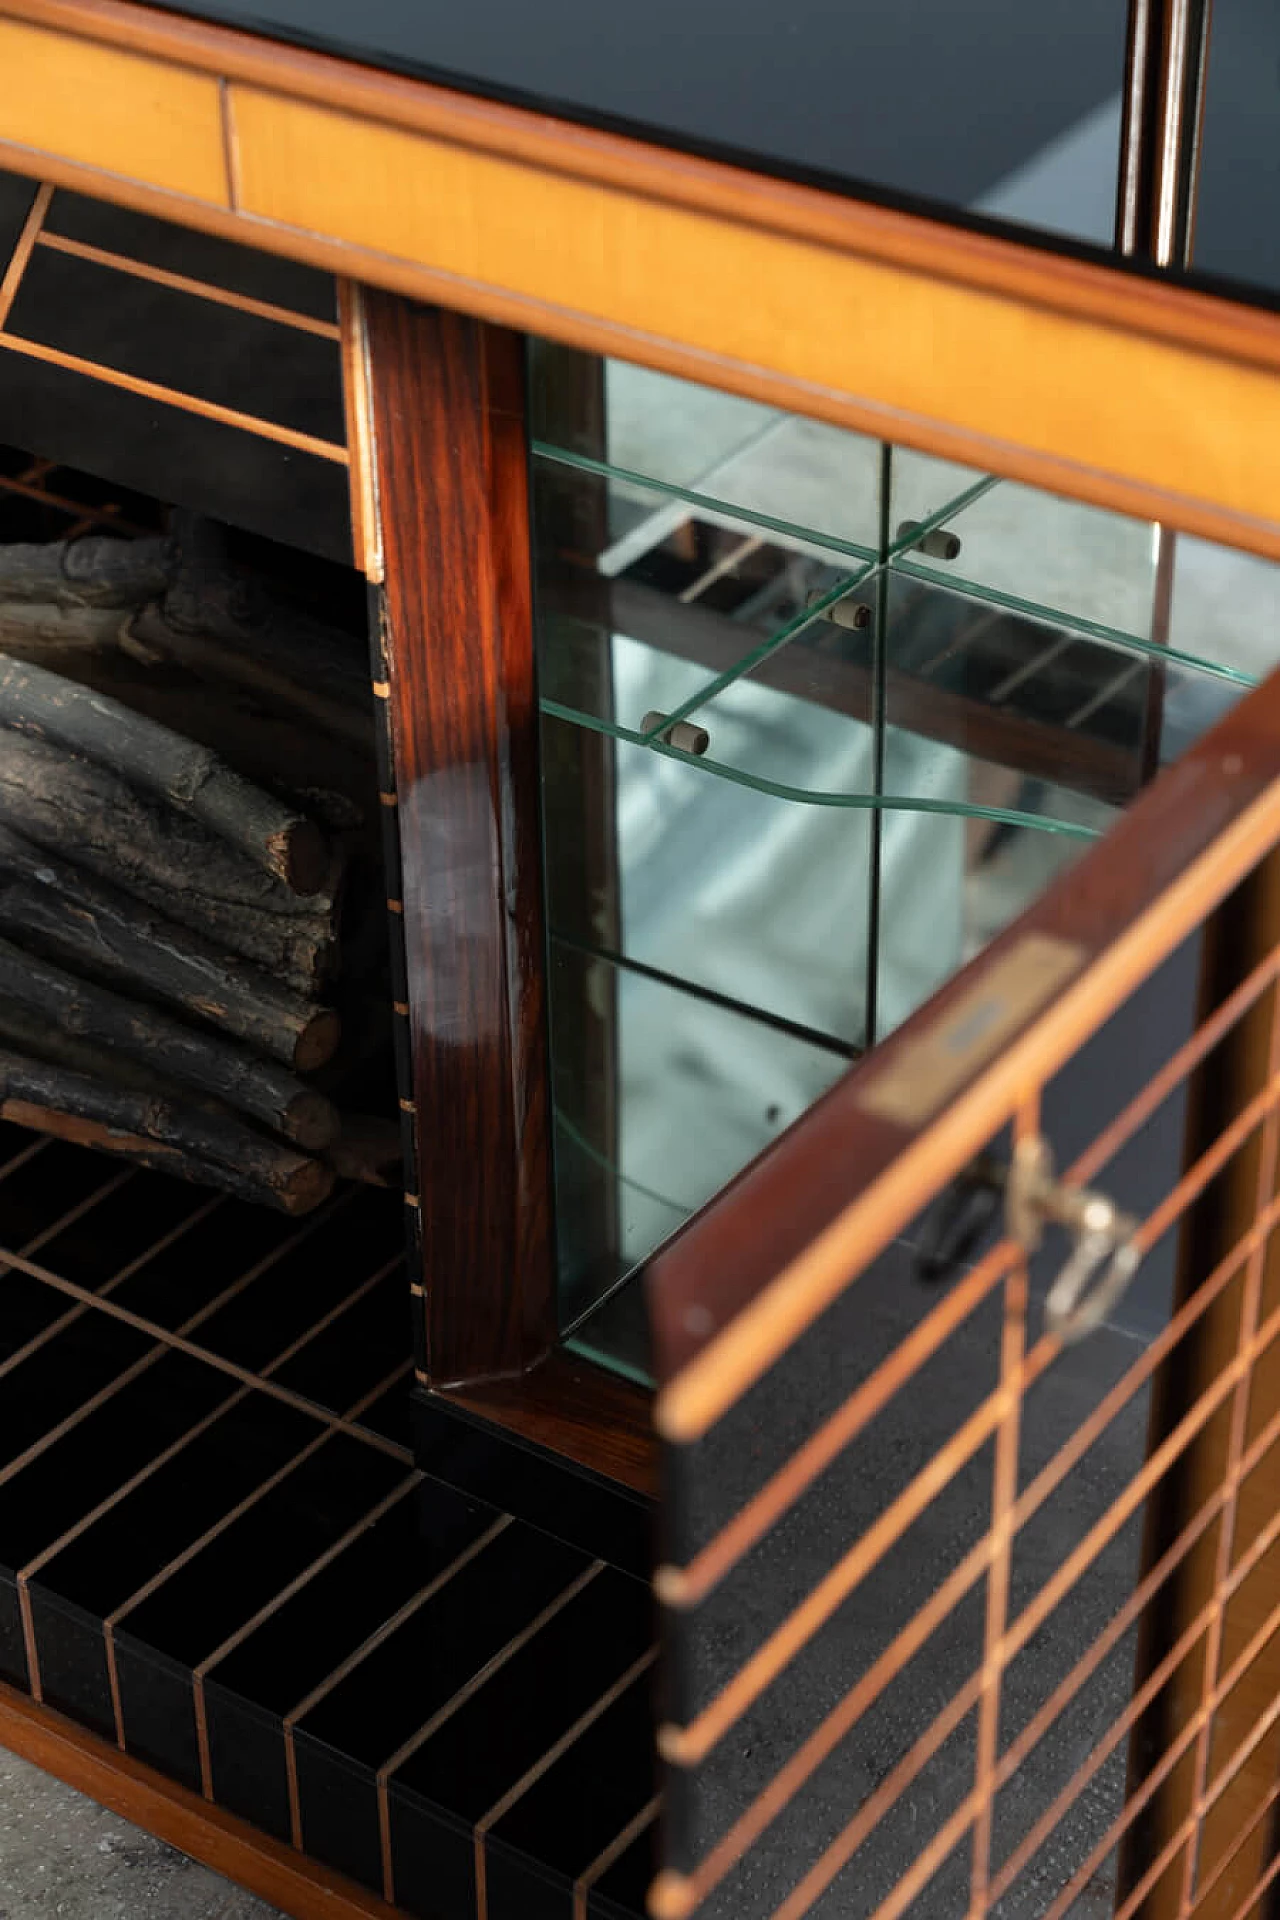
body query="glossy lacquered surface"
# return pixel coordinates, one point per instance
(448, 404)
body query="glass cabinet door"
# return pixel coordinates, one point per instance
(820, 717)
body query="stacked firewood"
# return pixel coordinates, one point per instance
(192, 963)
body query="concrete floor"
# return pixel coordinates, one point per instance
(62, 1855)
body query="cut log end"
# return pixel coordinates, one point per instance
(306, 1188)
(311, 1121)
(317, 1043)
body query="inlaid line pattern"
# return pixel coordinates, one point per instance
(214, 1535)
(34, 239)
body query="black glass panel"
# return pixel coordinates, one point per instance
(16, 195)
(228, 472)
(176, 1505)
(263, 1550)
(199, 256)
(180, 340)
(308, 1638)
(104, 1449)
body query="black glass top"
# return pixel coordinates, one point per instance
(992, 108)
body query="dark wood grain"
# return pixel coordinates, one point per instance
(448, 402)
(573, 1408)
(838, 1151)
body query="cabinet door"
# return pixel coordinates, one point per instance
(969, 1588)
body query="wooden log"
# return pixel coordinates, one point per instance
(302, 954)
(166, 1048)
(39, 628)
(284, 843)
(30, 1033)
(208, 593)
(69, 918)
(70, 804)
(93, 571)
(190, 1142)
(85, 814)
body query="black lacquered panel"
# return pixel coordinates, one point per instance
(497, 1738)
(588, 1777)
(16, 196)
(221, 470)
(196, 256)
(344, 1740)
(241, 416)
(197, 346)
(1236, 232)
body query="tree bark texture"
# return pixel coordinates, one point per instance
(160, 1133)
(80, 922)
(167, 1048)
(94, 571)
(284, 843)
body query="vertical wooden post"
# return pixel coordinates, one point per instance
(447, 400)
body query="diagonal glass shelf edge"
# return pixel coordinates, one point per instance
(1074, 625)
(899, 561)
(814, 797)
(683, 1209)
(719, 509)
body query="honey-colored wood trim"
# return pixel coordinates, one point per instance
(22, 252)
(290, 1881)
(1242, 934)
(112, 108)
(1133, 394)
(362, 453)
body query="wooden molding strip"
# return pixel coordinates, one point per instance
(288, 1880)
(1134, 394)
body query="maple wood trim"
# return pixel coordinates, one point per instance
(1106, 386)
(299, 1886)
